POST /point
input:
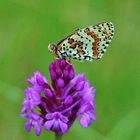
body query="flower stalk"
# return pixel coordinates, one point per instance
(57, 137)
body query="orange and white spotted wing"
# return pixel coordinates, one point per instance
(88, 43)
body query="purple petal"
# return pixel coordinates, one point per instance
(88, 96)
(37, 129)
(48, 93)
(63, 63)
(51, 67)
(92, 116)
(71, 84)
(53, 75)
(87, 85)
(60, 83)
(28, 126)
(48, 124)
(31, 80)
(24, 107)
(34, 116)
(85, 121)
(80, 78)
(28, 92)
(40, 79)
(64, 119)
(59, 71)
(65, 73)
(71, 73)
(80, 86)
(36, 79)
(68, 66)
(77, 79)
(68, 100)
(57, 63)
(63, 126)
(49, 116)
(56, 125)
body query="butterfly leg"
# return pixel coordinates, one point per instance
(54, 57)
(68, 60)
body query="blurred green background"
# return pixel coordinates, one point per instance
(26, 29)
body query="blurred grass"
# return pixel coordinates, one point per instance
(26, 29)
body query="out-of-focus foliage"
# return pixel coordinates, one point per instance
(26, 29)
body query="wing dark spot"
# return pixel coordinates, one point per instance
(87, 58)
(87, 29)
(64, 48)
(98, 44)
(102, 52)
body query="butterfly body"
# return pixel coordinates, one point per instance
(85, 44)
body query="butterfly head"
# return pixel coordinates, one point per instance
(52, 48)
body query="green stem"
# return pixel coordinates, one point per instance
(58, 137)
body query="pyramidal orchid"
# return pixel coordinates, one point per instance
(55, 107)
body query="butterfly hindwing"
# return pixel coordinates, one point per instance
(103, 33)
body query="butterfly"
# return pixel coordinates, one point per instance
(85, 44)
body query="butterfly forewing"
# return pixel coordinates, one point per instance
(87, 43)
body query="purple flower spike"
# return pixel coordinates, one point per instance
(56, 107)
